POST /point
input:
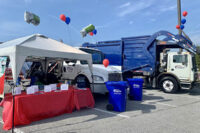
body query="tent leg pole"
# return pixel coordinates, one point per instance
(92, 85)
(13, 114)
(45, 70)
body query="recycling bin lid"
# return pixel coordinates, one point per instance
(135, 79)
(122, 83)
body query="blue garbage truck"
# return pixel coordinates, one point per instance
(155, 58)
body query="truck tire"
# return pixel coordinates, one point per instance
(168, 84)
(81, 79)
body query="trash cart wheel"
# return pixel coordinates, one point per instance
(130, 97)
(109, 107)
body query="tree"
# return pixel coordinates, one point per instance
(197, 57)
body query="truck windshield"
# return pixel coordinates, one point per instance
(97, 56)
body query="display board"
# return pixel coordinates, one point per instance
(2, 75)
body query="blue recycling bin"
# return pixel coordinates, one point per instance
(135, 89)
(117, 95)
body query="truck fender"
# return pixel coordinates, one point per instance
(167, 74)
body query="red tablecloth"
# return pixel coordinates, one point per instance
(83, 98)
(2, 78)
(29, 108)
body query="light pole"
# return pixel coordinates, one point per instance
(179, 19)
(179, 15)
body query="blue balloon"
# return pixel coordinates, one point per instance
(182, 27)
(183, 21)
(67, 21)
(95, 31)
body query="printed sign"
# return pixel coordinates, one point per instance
(136, 86)
(30, 90)
(64, 87)
(36, 89)
(53, 86)
(117, 91)
(179, 67)
(17, 90)
(69, 69)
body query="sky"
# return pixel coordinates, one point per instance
(113, 19)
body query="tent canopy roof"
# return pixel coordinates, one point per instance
(38, 47)
(41, 42)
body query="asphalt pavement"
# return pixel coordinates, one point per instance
(157, 113)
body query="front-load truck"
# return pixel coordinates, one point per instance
(78, 71)
(155, 58)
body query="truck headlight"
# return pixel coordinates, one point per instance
(98, 78)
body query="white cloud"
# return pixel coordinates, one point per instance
(152, 19)
(145, 7)
(198, 26)
(137, 7)
(168, 8)
(130, 22)
(27, 1)
(110, 23)
(194, 32)
(125, 5)
(196, 38)
(11, 27)
(10, 30)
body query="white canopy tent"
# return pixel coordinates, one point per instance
(38, 47)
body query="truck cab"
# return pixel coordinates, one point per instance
(182, 68)
(78, 71)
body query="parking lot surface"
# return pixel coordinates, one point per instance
(157, 113)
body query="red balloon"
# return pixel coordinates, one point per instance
(62, 17)
(185, 13)
(177, 26)
(91, 33)
(106, 62)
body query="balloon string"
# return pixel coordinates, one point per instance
(93, 40)
(69, 35)
(78, 33)
(71, 26)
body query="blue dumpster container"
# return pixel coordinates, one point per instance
(117, 95)
(135, 90)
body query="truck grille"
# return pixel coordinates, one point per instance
(114, 77)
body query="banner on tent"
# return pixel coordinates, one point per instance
(2, 75)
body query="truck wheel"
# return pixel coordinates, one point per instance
(168, 84)
(83, 79)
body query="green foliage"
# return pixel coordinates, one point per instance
(197, 57)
